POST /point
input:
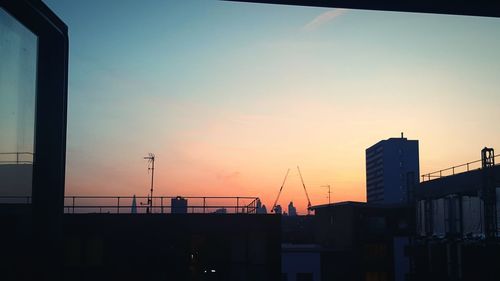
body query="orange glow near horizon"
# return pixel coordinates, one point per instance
(237, 154)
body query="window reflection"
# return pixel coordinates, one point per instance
(18, 60)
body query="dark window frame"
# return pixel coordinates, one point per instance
(482, 8)
(50, 108)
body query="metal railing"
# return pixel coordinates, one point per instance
(469, 166)
(161, 204)
(20, 200)
(20, 157)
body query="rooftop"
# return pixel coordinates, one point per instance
(358, 204)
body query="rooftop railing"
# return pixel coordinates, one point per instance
(16, 157)
(161, 204)
(469, 166)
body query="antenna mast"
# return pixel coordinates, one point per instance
(151, 167)
(329, 201)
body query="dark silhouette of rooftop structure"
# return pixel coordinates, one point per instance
(172, 247)
(357, 240)
(457, 234)
(483, 8)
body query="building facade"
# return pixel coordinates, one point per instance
(457, 235)
(361, 241)
(392, 170)
(152, 246)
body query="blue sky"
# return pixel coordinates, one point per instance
(230, 95)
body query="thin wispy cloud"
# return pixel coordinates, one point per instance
(322, 19)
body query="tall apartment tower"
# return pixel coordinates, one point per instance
(392, 171)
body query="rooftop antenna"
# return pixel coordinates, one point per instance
(151, 167)
(329, 201)
(402, 135)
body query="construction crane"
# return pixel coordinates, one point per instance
(279, 193)
(307, 195)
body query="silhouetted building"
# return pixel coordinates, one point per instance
(260, 209)
(278, 210)
(300, 262)
(300, 256)
(457, 226)
(348, 241)
(154, 247)
(179, 205)
(392, 170)
(292, 211)
(133, 209)
(297, 229)
(362, 241)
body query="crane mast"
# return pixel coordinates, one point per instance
(279, 193)
(307, 195)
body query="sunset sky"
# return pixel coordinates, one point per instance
(230, 95)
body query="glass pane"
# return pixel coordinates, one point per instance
(18, 60)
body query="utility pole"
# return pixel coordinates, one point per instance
(151, 167)
(329, 201)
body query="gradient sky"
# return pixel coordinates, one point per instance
(230, 95)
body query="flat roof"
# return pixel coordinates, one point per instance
(463, 183)
(358, 204)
